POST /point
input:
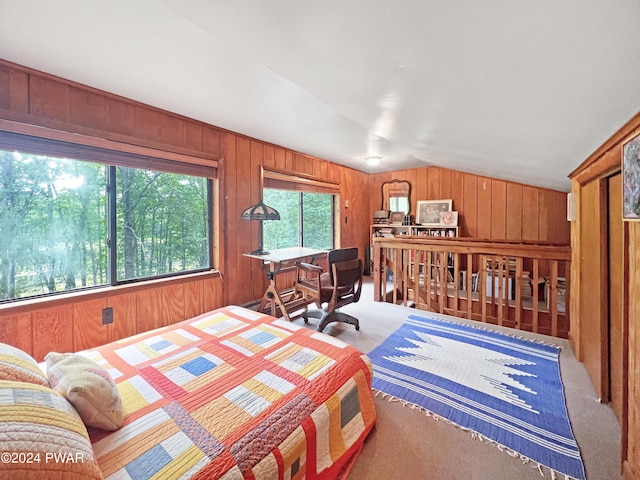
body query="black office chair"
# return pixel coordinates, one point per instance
(339, 286)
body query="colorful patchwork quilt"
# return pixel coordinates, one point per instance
(234, 394)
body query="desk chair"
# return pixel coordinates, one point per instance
(338, 287)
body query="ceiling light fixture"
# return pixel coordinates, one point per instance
(373, 160)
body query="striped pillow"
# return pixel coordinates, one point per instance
(19, 366)
(42, 436)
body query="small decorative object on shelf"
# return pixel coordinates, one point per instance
(396, 218)
(449, 219)
(381, 217)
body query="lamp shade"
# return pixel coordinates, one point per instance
(260, 211)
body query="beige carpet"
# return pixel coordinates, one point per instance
(407, 444)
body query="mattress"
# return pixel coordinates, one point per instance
(235, 394)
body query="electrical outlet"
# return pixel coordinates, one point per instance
(107, 315)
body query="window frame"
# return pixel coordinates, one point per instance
(272, 178)
(44, 141)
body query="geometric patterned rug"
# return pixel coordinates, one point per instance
(503, 388)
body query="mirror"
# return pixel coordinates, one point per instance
(396, 196)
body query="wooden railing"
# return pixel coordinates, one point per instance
(455, 276)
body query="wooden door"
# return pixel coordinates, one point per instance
(617, 330)
(593, 285)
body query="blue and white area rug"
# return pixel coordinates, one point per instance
(504, 389)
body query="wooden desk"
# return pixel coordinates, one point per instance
(276, 262)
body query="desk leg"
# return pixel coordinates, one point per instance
(272, 296)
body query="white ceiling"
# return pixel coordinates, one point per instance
(523, 90)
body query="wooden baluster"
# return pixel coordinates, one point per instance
(427, 266)
(535, 313)
(417, 291)
(482, 272)
(456, 283)
(396, 260)
(469, 285)
(518, 288)
(502, 286)
(444, 270)
(553, 297)
(378, 266)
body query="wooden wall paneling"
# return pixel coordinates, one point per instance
(5, 88)
(484, 212)
(444, 184)
(309, 165)
(616, 285)
(148, 309)
(457, 192)
(324, 169)
(14, 88)
(422, 185)
(576, 261)
(53, 331)
(288, 161)
(280, 158)
(170, 130)
(632, 464)
(120, 117)
(412, 178)
(247, 231)
(255, 183)
(48, 99)
(212, 289)
(268, 158)
(193, 137)
(88, 330)
(469, 215)
(17, 330)
(211, 141)
(147, 123)
(498, 210)
(515, 211)
(87, 108)
(193, 299)
(124, 316)
(530, 214)
(231, 216)
(547, 229)
(433, 183)
(563, 226)
(173, 304)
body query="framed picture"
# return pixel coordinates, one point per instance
(396, 218)
(631, 179)
(429, 212)
(449, 219)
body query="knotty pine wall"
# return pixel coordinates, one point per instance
(487, 208)
(613, 368)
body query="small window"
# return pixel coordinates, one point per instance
(306, 219)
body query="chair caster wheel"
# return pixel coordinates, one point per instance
(357, 327)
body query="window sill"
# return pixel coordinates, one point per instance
(21, 306)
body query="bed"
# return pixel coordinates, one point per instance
(230, 394)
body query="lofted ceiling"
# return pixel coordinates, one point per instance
(515, 89)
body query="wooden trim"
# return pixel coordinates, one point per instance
(274, 178)
(594, 166)
(95, 142)
(14, 308)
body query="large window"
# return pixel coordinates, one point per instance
(62, 226)
(306, 219)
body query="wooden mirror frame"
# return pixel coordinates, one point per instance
(386, 196)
